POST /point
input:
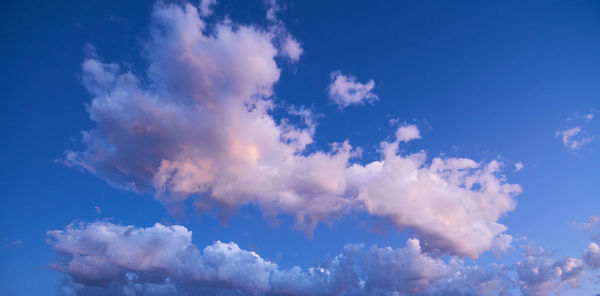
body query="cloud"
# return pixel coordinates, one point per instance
(583, 130)
(519, 166)
(591, 227)
(13, 243)
(200, 127)
(407, 133)
(453, 204)
(572, 138)
(205, 125)
(291, 49)
(344, 90)
(107, 259)
(591, 256)
(272, 9)
(206, 7)
(539, 274)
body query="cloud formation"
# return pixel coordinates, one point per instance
(407, 133)
(583, 130)
(344, 90)
(200, 126)
(107, 259)
(519, 166)
(453, 203)
(102, 258)
(572, 138)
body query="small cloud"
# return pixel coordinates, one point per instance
(519, 166)
(572, 138)
(407, 133)
(206, 7)
(591, 227)
(291, 49)
(13, 244)
(345, 90)
(582, 130)
(272, 9)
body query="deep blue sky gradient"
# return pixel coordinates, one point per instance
(482, 79)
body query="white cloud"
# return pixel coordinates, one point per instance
(407, 133)
(161, 260)
(205, 125)
(453, 204)
(291, 49)
(344, 90)
(206, 7)
(519, 166)
(200, 127)
(572, 138)
(582, 130)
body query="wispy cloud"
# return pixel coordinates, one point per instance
(345, 90)
(13, 243)
(583, 130)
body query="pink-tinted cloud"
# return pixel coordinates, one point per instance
(200, 127)
(345, 90)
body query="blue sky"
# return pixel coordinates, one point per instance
(225, 119)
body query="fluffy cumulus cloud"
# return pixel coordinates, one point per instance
(102, 258)
(107, 259)
(203, 126)
(453, 203)
(199, 126)
(407, 133)
(591, 255)
(345, 90)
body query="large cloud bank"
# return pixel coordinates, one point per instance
(199, 125)
(102, 258)
(107, 259)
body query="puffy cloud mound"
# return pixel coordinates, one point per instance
(107, 259)
(203, 126)
(199, 125)
(539, 274)
(591, 256)
(344, 90)
(407, 133)
(453, 203)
